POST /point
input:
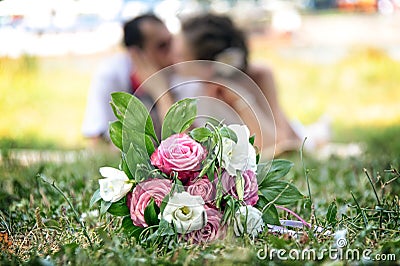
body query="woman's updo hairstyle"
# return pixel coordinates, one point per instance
(210, 35)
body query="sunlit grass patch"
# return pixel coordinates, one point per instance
(45, 103)
(43, 99)
(361, 89)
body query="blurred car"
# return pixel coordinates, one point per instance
(357, 5)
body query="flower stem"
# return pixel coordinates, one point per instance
(44, 179)
(304, 168)
(373, 187)
(294, 214)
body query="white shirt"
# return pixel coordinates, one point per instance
(113, 75)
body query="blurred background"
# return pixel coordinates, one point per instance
(334, 58)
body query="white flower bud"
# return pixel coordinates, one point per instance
(115, 185)
(250, 219)
(240, 156)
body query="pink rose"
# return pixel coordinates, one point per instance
(203, 188)
(250, 195)
(211, 231)
(181, 154)
(141, 195)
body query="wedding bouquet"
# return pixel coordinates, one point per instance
(195, 184)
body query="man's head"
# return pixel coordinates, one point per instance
(149, 34)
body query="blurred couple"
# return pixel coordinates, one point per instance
(228, 86)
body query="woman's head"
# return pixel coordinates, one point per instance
(211, 37)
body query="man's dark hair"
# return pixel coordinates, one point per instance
(132, 34)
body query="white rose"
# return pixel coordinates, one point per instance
(115, 185)
(186, 212)
(240, 156)
(250, 218)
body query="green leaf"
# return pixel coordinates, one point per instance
(136, 157)
(130, 229)
(119, 208)
(200, 134)
(284, 192)
(211, 172)
(258, 158)
(179, 117)
(164, 202)
(232, 205)
(135, 125)
(115, 129)
(177, 186)
(239, 182)
(270, 215)
(226, 132)
(104, 206)
(272, 171)
(142, 172)
(133, 114)
(165, 228)
(149, 145)
(124, 167)
(151, 213)
(119, 103)
(252, 139)
(331, 214)
(136, 119)
(209, 164)
(149, 130)
(131, 136)
(117, 114)
(136, 141)
(95, 198)
(307, 207)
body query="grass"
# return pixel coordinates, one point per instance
(44, 98)
(43, 102)
(43, 229)
(44, 107)
(359, 90)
